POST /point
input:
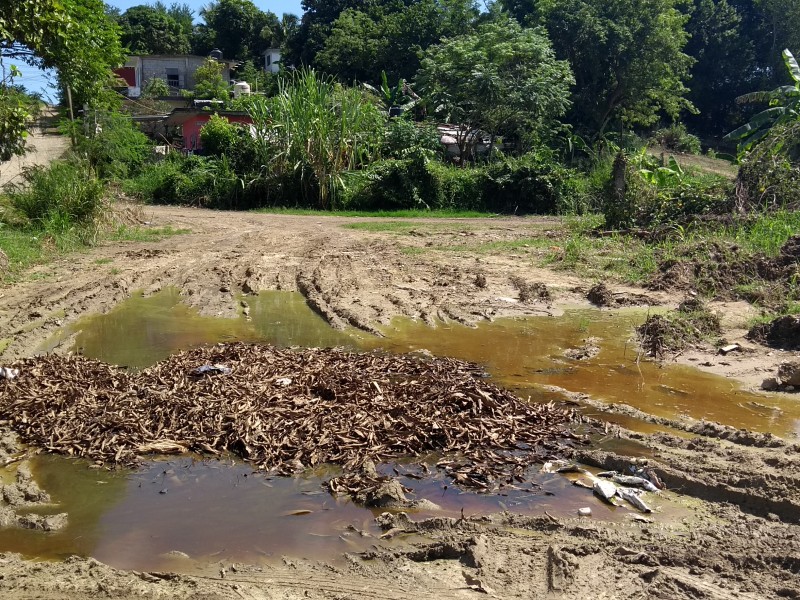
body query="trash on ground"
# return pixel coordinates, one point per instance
(8, 373)
(212, 369)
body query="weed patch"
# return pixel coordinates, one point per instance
(673, 332)
(125, 233)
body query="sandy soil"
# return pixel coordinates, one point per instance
(739, 539)
(43, 148)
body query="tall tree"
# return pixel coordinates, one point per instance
(502, 78)
(724, 67)
(390, 37)
(74, 37)
(234, 26)
(627, 56)
(151, 30)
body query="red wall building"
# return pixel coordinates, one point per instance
(191, 121)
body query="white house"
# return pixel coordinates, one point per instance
(272, 59)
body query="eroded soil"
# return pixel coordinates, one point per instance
(738, 540)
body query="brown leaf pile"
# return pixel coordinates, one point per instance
(282, 410)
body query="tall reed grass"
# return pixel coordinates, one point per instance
(314, 130)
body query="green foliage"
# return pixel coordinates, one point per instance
(627, 57)
(784, 109)
(404, 137)
(725, 66)
(189, 180)
(394, 184)
(656, 195)
(235, 27)
(530, 184)
(313, 131)
(151, 30)
(502, 79)
(116, 149)
(209, 82)
(155, 88)
(768, 181)
(219, 136)
(16, 111)
(677, 139)
(75, 37)
(356, 40)
(59, 197)
(259, 80)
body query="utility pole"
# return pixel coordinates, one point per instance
(71, 117)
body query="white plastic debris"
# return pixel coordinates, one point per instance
(8, 373)
(585, 512)
(212, 370)
(283, 381)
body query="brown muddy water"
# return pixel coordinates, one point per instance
(182, 513)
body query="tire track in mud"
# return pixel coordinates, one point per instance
(351, 277)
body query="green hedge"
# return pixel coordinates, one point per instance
(530, 184)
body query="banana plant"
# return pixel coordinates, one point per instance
(784, 108)
(392, 96)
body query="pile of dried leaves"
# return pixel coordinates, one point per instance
(282, 410)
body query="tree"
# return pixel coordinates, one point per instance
(502, 79)
(209, 82)
(151, 30)
(234, 26)
(627, 56)
(784, 109)
(181, 13)
(360, 45)
(724, 57)
(74, 37)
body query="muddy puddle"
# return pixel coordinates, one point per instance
(181, 513)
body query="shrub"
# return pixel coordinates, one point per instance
(530, 184)
(768, 182)
(404, 136)
(191, 180)
(534, 183)
(219, 136)
(393, 184)
(641, 192)
(116, 149)
(60, 196)
(677, 139)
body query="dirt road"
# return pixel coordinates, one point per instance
(739, 539)
(351, 276)
(43, 149)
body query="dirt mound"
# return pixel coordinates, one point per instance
(600, 295)
(531, 292)
(714, 269)
(783, 333)
(691, 323)
(284, 410)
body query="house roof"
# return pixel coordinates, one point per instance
(179, 116)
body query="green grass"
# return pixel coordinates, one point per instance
(103, 261)
(32, 246)
(144, 234)
(402, 214)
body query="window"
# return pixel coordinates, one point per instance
(173, 78)
(269, 59)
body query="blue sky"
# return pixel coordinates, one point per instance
(36, 80)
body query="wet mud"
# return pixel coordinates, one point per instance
(726, 528)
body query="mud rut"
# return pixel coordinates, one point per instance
(741, 544)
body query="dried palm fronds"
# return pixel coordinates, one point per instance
(283, 410)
